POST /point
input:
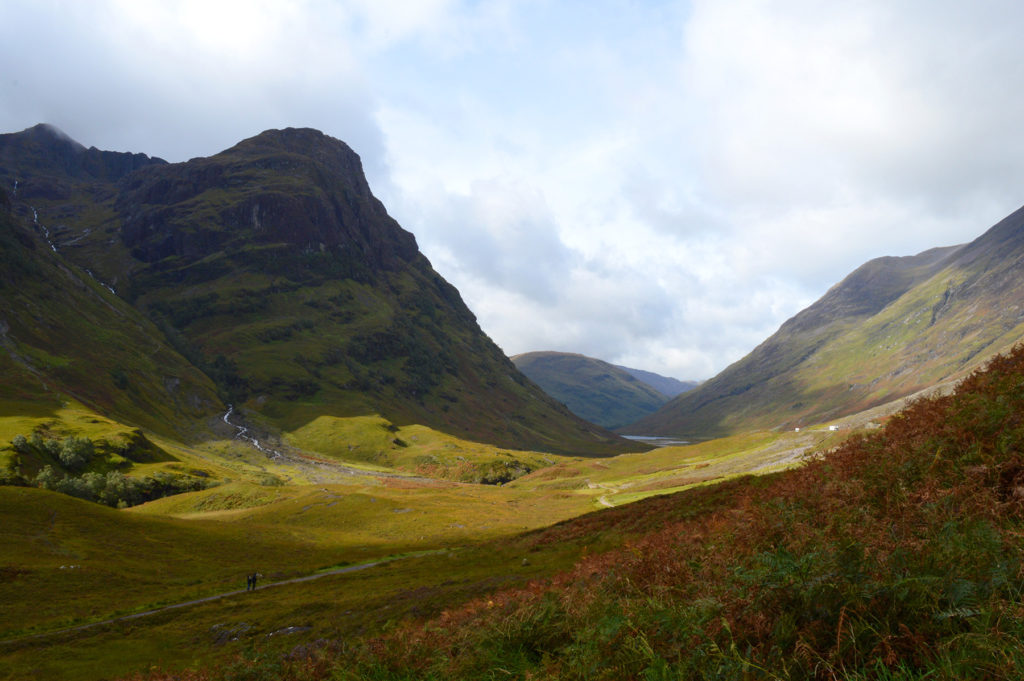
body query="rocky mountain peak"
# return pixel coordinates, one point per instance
(47, 134)
(44, 158)
(282, 149)
(294, 186)
(275, 271)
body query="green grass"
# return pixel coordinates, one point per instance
(201, 543)
(333, 607)
(74, 561)
(631, 477)
(137, 559)
(897, 556)
(375, 442)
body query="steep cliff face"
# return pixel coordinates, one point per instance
(294, 187)
(43, 151)
(275, 270)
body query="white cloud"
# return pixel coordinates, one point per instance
(184, 79)
(655, 184)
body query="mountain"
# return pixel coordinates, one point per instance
(273, 270)
(597, 391)
(62, 334)
(891, 328)
(666, 385)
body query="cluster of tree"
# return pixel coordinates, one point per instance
(74, 453)
(117, 489)
(68, 474)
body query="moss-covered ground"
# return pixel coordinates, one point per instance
(895, 556)
(346, 492)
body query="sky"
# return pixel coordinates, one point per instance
(658, 184)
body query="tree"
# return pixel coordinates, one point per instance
(48, 478)
(117, 490)
(75, 452)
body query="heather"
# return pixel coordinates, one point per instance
(895, 556)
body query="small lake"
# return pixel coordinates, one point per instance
(656, 441)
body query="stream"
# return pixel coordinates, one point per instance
(242, 433)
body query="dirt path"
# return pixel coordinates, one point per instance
(603, 499)
(185, 604)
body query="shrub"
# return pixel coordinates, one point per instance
(20, 444)
(76, 452)
(53, 448)
(48, 478)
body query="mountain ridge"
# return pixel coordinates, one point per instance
(666, 385)
(890, 328)
(593, 389)
(273, 268)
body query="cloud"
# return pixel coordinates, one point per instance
(501, 234)
(183, 79)
(805, 103)
(655, 184)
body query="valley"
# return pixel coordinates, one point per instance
(242, 364)
(442, 542)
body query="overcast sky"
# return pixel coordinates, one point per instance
(656, 184)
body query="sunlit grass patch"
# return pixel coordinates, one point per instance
(375, 441)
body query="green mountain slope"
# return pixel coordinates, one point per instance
(275, 271)
(64, 336)
(891, 328)
(597, 391)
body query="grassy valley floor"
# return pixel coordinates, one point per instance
(379, 494)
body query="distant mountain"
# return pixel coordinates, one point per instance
(595, 390)
(666, 385)
(271, 269)
(892, 327)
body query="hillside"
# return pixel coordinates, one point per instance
(65, 336)
(273, 269)
(891, 328)
(896, 556)
(594, 390)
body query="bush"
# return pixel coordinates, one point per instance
(48, 478)
(52, 448)
(76, 452)
(116, 489)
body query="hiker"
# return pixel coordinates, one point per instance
(253, 578)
